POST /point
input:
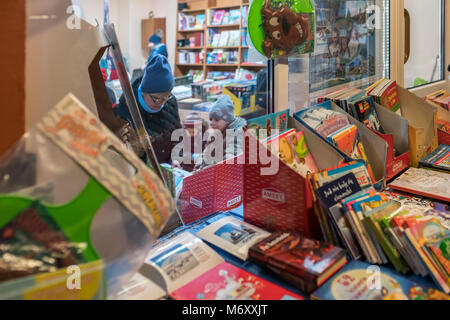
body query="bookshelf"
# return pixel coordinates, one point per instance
(185, 53)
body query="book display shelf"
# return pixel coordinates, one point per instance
(212, 36)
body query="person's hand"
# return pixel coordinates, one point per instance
(176, 164)
(129, 136)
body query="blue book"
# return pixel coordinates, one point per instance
(361, 281)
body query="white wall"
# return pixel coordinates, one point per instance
(425, 40)
(127, 15)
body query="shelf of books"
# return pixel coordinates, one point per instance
(212, 34)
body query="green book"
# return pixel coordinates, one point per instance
(374, 218)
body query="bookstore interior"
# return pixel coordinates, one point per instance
(225, 150)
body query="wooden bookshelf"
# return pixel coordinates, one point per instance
(205, 7)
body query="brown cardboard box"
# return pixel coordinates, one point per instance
(422, 116)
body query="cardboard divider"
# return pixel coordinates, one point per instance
(376, 148)
(284, 202)
(397, 138)
(422, 117)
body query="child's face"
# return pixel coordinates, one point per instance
(218, 124)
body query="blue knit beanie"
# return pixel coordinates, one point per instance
(155, 39)
(223, 109)
(158, 77)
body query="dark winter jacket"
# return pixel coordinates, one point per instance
(159, 125)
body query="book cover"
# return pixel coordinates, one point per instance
(439, 158)
(217, 18)
(233, 236)
(309, 259)
(330, 196)
(235, 16)
(418, 235)
(304, 161)
(427, 183)
(275, 121)
(357, 168)
(179, 260)
(199, 21)
(361, 281)
(345, 139)
(367, 114)
(374, 219)
(227, 282)
(441, 251)
(389, 97)
(224, 35)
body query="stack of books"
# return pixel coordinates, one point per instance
(190, 22)
(224, 38)
(222, 57)
(336, 128)
(438, 160)
(385, 93)
(189, 57)
(358, 104)
(224, 17)
(384, 227)
(441, 98)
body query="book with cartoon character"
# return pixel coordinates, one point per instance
(227, 282)
(362, 281)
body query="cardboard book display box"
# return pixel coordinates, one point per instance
(217, 188)
(284, 201)
(376, 148)
(422, 117)
(397, 137)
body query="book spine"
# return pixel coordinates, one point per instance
(290, 269)
(390, 251)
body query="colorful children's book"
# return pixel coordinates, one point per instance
(345, 139)
(303, 160)
(425, 231)
(218, 17)
(274, 121)
(427, 183)
(233, 236)
(309, 259)
(375, 220)
(227, 282)
(366, 113)
(439, 158)
(362, 281)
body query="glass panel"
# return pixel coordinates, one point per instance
(352, 48)
(425, 64)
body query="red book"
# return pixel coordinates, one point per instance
(227, 282)
(311, 260)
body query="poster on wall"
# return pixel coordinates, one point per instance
(346, 44)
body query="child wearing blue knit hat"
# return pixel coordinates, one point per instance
(222, 118)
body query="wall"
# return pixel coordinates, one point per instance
(425, 40)
(127, 16)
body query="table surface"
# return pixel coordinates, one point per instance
(250, 266)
